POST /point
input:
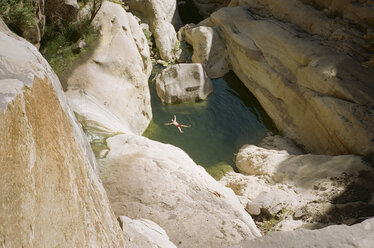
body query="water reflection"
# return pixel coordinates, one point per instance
(220, 125)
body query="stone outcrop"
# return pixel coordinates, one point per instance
(144, 233)
(111, 87)
(183, 83)
(159, 182)
(359, 235)
(163, 19)
(357, 42)
(209, 50)
(299, 188)
(50, 195)
(314, 93)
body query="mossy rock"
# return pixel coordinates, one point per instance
(219, 170)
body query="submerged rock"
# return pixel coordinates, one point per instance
(144, 233)
(183, 83)
(148, 179)
(50, 195)
(111, 87)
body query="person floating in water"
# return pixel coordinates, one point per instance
(175, 123)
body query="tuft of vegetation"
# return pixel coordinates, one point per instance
(59, 42)
(57, 47)
(18, 15)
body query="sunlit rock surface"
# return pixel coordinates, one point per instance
(50, 195)
(314, 93)
(359, 235)
(163, 19)
(209, 50)
(183, 83)
(280, 181)
(159, 182)
(144, 233)
(111, 87)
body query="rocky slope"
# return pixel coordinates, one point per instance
(50, 195)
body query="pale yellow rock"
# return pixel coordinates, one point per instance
(315, 95)
(208, 49)
(163, 19)
(111, 87)
(50, 195)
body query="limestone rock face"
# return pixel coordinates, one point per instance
(209, 50)
(327, 24)
(314, 93)
(359, 235)
(183, 83)
(159, 182)
(50, 195)
(315, 188)
(144, 233)
(360, 12)
(163, 19)
(111, 88)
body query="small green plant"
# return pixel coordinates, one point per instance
(57, 46)
(18, 15)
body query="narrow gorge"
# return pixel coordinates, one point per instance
(271, 145)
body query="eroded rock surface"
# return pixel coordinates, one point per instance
(111, 87)
(209, 50)
(359, 235)
(50, 195)
(286, 185)
(148, 179)
(183, 83)
(163, 19)
(314, 93)
(144, 233)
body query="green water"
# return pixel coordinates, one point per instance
(220, 125)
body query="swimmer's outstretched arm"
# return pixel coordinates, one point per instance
(175, 118)
(170, 123)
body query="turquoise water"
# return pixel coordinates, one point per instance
(229, 118)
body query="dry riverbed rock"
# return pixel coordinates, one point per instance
(183, 83)
(50, 194)
(312, 188)
(159, 182)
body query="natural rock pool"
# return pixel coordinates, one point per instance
(229, 118)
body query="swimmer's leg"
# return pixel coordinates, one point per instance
(180, 129)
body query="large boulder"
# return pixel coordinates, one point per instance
(163, 19)
(111, 87)
(159, 182)
(50, 194)
(314, 93)
(281, 181)
(209, 50)
(360, 235)
(144, 233)
(206, 7)
(183, 83)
